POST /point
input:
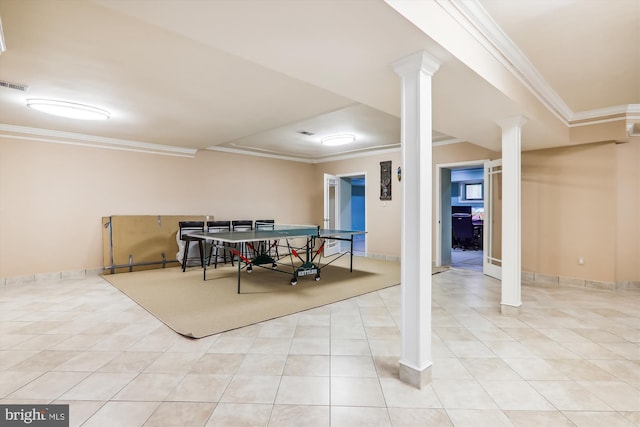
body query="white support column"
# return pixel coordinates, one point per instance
(511, 215)
(416, 71)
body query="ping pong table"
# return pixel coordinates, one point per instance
(305, 246)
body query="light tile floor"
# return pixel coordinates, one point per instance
(466, 259)
(571, 358)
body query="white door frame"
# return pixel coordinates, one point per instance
(335, 245)
(490, 266)
(329, 214)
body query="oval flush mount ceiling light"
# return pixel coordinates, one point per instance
(337, 139)
(70, 110)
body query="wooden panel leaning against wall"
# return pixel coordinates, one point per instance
(141, 242)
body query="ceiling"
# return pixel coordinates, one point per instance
(249, 76)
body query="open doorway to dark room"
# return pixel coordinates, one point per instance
(467, 217)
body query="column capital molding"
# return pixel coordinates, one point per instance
(511, 122)
(419, 61)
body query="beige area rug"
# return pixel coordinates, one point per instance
(197, 308)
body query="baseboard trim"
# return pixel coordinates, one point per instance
(537, 279)
(382, 257)
(47, 277)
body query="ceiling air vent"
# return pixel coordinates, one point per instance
(16, 86)
(304, 132)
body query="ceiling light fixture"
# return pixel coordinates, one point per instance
(70, 110)
(334, 140)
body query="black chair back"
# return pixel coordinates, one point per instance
(216, 226)
(241, 224)
(189, 226)
(462, 226)
(265, 224)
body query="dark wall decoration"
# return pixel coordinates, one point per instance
(385, 180)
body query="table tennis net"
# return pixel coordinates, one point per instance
(293, 229)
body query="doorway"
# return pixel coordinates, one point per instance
(460, 215)
(345, 208)
(357, 208)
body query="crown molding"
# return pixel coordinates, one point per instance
(633, 111)
(474, 18)
(255, 153)
(59, 137)
(347, 156)
(605, 115)
(358, 153)
(598, 114)
(633, 129)
(448, 141)
(92, 141)
(421, 61)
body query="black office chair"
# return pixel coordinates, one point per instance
(463, 233)
(217, 227)
(242, 225)
(187, 227)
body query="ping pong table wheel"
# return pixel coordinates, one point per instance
(317, 277)
(274, 265)
(294, 281)
(249, 269)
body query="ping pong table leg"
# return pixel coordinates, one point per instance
(203, 246)
(239, 270)
(351, 256)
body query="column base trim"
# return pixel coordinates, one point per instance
(509, 310)
(415, 377)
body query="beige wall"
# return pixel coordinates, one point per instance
(53, 196)
(579, 201)
(628, 212)
(462, 152)
(382, 217)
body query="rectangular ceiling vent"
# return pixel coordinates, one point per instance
(16, 86)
